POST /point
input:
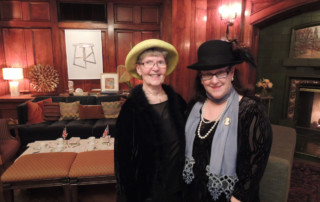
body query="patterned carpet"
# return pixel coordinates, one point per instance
(305, 182)
(90, 193)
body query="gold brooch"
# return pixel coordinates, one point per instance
(227, 121)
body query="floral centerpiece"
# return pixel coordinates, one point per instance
(265, 85)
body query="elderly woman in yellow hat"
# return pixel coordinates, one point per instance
(149, 142)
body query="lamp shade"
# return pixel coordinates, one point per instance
(12, 73)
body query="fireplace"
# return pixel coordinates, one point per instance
(304, 111)
(309, 108)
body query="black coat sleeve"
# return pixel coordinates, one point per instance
(124, 150)
(254, 145)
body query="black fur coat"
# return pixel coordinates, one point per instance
(139, 149)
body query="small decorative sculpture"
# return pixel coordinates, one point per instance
(70, 87)
(43, 78)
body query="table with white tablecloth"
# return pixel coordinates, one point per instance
(71, 145)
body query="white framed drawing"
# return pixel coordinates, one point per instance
(84, 53)
(109, 82)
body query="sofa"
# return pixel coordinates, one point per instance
(46, 117)
(275, 183)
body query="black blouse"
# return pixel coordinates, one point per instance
(166, 166)
(254, 143)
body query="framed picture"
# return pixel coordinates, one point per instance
(109, 82)
(305, 42)
(84, 54)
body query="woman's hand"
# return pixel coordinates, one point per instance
(233, 199)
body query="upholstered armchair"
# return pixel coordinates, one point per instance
(9, 145)
(275, 183)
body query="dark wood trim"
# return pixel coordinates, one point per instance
(281, 9)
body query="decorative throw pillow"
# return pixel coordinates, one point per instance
(69, 111)
(51, 111)
(35, 111)
(91, 112)
(111, 109)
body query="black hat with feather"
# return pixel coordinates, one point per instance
(217, 54)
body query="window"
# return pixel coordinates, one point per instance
(82, 12)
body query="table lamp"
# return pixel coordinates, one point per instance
(13, 74)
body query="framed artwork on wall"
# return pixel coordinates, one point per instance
(305, 42)
(84, 53)
(109, 82)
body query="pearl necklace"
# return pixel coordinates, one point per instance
(202, 120)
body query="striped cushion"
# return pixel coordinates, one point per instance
(39, 167)
(51, 111)
(93, 163)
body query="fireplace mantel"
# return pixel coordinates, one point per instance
(301, 62)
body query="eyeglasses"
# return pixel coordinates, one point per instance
(150, 64)
(219, 75)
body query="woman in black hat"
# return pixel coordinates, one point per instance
(228, 134)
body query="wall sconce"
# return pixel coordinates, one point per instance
(13, 74)
(229, 13)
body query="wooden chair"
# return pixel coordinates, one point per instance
(9, 145)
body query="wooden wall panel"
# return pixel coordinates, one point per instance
(123, 14)
(30, 60)
(4, 86)
(43, 51)
(124, 42)
(39, 11)
(183, 38)
(105, 54)
(258, 5)
(214, 23)
(136, 14)
(14, 47)
(2, 56)
(150, 14)
(150, 35)
(10, 10)
(18, 52)
(278, 8)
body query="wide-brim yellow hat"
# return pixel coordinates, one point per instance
(134, 53)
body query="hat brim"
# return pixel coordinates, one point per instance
(205, 67)
(134, 53)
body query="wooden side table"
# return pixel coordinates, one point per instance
(8, 105)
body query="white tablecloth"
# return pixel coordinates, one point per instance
(69, 146)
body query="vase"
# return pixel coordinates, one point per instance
(264, 92)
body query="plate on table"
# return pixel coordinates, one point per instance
(74, 141)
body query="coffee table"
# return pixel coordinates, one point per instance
(82, 145)
(42, 165)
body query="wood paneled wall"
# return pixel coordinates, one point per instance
(30, 33)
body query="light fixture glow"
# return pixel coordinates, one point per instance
(13, 74)
(205, 18)
(229, 13)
